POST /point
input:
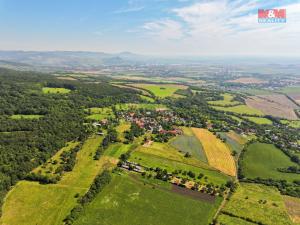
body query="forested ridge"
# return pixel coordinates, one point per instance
(26, 143)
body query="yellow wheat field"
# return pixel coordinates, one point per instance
(217, 153)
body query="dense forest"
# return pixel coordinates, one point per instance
(27, 143)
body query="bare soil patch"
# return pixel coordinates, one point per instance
(66, 78)
(295, 97)
(276, 105)
(193, 194)
(247, 80)
(293, 208)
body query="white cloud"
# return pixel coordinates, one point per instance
(164, 29)
(229, 27)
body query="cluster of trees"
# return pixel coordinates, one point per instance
(25, 143)
(68, 160)
(290, 169)
(99, 183)
(135, 131)
(110, 137)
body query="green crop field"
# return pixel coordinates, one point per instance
(259, 120)
(149, 99)
(262, 160)
(230, 220)
(191, 144)
(49, 90)
(291, 123)
(129, 201)
(28, 117)
(291, 90)
(240, 109)
(152, 161)
(227, 101)
(259, 203)
(232, 142)
(161, 90)
(32, 203)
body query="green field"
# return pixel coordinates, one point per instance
(259, 203)
(240, 109)
(259, 120)
(149, 99)
(232, 143)
(32, 203)
(191, 144)
(99, 113)
(227, 101)
(291, 123)
(28, 117)
(128, 106)
(150, 160)
(230, 220)
(291, 90)
(262, 160)
(127, 200)
(161, 90)
(49, 90)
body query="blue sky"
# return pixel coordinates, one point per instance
(157, 27)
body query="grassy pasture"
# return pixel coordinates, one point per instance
(146, 158)
(240, 109)
(262, 160)
(160, 90)
(259, 120)
(230, 220)
(227, 101)
(218, 154)
(50, 90)
(32, 203)
(191, 144)
(26, 117)
(99, 113)
(127, 201)
(149, 99)
(291, 90)
(259, 203)
(291, 123)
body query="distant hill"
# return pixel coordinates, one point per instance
(66, 59)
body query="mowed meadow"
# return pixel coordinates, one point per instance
(49, 204)
(218, 153)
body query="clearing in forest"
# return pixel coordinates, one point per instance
(160, 90)
(218, 154)
(228, 100)
(258, 203)
(50, 90)
(26, 117)
(31, 203)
